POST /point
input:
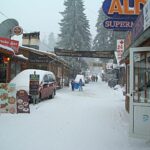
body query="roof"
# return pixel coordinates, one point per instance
(45, 53)
(6, 49)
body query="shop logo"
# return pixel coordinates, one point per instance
(122, 13)
(17, 30)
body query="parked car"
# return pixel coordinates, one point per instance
(47, 83)
(78, 77)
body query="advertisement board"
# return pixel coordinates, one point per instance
(10, 43)
(7, 98)
(118, 24)
(22, 102)
(120, 48)
(122, 10)
(34, 84)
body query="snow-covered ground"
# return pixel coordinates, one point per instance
(94, 119)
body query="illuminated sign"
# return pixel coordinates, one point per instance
(123, 10)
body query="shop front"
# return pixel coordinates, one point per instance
(6, 53)
(137, 60)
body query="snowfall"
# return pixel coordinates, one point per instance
(92, 119)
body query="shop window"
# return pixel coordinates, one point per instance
(142, 78)
(2, 73)
(15, 69)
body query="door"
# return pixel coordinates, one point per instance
(140, 92)
(3, 73)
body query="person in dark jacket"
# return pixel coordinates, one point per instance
(80, 85)
(72, 85)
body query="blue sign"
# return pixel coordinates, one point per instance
(118, 24)
(128, 9)
(123, 13)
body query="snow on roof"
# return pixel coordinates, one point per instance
(7, 48)
(21, 56)
(49, 54)
(36, 50)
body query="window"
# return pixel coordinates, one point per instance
(142, 78)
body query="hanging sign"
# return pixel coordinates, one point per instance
(120, 48)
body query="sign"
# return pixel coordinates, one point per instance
(33, 58)
(118, 24)
(34, 84)
(10, 43)
(122, 12)
(146, 11)
(17, 30)
(7, 98)
(93, 54)
(22, 102)
(123, 8)
(120, 48)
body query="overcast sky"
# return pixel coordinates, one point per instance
(43, 15)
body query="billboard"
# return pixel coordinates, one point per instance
(122, 12)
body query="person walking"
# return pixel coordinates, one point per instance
(80, 85)
(72, 85)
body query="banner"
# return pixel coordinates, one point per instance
(10, 43)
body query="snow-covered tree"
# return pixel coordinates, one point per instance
(51, 41)
(74, 27)
(74, 32)
(104, 38)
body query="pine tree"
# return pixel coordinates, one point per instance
(74, 33)
(74, 27)
(51, 41)
(104, 38)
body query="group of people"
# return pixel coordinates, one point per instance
(75, 85)
(94, 78)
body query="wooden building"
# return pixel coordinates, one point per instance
(43, 60)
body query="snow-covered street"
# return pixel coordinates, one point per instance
(92, 119)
